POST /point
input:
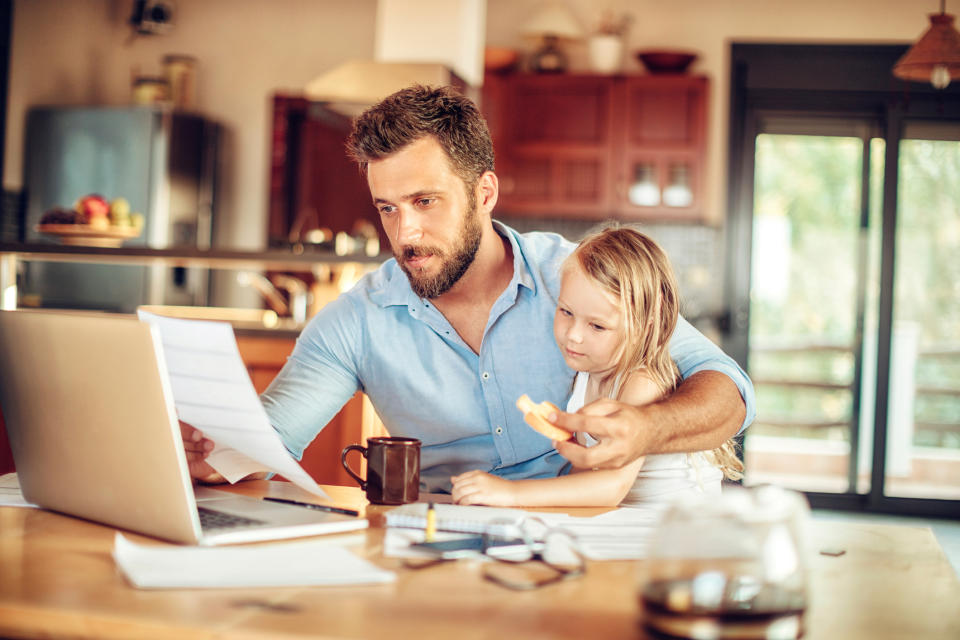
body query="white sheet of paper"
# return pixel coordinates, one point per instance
(292, 564)
(212, 391)
(10, 494)
(621, 534)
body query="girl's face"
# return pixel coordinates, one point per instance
(587, 324)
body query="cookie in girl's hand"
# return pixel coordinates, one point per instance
(536, 416)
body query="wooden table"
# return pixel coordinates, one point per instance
(57, 578)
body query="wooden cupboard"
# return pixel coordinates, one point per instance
(6, 456)
(313, 184)
(599, 146)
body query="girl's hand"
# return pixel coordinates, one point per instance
(479, 487)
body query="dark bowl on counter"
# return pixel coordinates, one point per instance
(663, 61)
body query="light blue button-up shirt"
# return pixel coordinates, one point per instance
(426, 382)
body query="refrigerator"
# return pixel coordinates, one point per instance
(162, 161)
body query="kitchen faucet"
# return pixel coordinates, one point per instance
(299, 296)
(296, 288)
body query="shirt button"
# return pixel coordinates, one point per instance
(485, 375)
(499, 430)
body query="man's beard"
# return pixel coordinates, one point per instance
(452, 266)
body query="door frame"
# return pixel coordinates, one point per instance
(830, 81)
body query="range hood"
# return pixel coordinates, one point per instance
(452, 55)
(355, 85)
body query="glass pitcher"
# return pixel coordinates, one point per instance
(728, 567)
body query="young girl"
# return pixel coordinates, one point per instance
(617, 309)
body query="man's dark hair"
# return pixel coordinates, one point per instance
(418, 111)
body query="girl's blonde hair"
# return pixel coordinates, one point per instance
(635, 271)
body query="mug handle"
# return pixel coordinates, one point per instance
(343, 461)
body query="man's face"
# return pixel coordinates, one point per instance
(587, 324)
(432, 224)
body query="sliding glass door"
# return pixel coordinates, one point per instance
(923, 409)
(811, 274)
(844, 276)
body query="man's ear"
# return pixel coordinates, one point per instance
(488, 191)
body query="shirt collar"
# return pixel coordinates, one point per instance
(521, 270)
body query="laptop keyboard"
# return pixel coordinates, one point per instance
(210, 519)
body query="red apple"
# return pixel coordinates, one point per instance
(94, 206)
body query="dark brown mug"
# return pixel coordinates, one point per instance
(393, 469)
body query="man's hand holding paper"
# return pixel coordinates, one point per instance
(224, 427)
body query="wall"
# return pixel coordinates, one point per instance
(79, 52)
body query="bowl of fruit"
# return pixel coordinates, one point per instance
(93, 222)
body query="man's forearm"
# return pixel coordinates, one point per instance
(704, 411)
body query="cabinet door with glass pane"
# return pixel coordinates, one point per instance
(662, 134)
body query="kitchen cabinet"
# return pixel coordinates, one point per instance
(599, 146)
(6, 455)
(313, 184)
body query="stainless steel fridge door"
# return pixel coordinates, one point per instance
(131, 152)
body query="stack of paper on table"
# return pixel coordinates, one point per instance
(621, 534)
(10, 494)
(459, 518)
(294, 564)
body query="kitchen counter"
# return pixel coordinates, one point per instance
(304, 260)
(280, 329)
(285, 328)
(270, 259)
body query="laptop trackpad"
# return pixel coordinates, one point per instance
(204, 494)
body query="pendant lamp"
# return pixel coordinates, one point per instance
(935, 57)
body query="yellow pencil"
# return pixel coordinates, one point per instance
(431, 529)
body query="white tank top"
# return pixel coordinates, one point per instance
(663, 476)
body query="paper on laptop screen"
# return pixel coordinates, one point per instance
(212, 391)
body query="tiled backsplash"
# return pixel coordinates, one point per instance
(696, 252)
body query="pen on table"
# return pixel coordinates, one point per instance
(318, 507)
(431, 528)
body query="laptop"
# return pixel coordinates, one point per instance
(91, 421)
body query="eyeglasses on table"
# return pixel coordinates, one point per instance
(538, 555)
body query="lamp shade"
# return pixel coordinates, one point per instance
(554, 19)
(935, 57)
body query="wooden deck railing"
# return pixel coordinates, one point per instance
(944, 433)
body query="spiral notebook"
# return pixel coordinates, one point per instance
(459, 518)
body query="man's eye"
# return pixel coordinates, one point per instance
(425, 202)
(386, 209)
